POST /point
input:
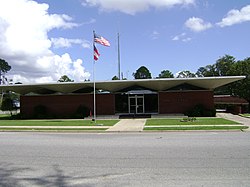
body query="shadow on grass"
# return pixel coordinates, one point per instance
(10, 117)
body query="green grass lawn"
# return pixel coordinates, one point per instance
(56, 122)
(245, 115)
(238, 127)
(53, 129)
(200, 124)
(198, 121)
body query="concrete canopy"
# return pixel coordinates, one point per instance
(208, 83)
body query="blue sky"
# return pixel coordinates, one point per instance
(45, 39)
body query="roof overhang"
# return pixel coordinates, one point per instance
(208, 83)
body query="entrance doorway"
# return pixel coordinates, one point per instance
(136, 104)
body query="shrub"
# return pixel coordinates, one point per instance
(82, 112)
(201, 111)
(7, 105)
(40, 111)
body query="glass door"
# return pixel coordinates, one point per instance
(136, 104)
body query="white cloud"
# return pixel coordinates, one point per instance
(186, 39)
(155, 35)
(197, 24)
(66, 43)
(178, 37)
(24, 43)
(182, 37)
(134, 6)
(92, 20)
(236, 16)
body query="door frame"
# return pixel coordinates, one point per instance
(137, 105)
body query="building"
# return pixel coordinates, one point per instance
(120, 97)
(232, 104)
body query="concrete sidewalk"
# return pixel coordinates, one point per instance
(128, 125)
(237, 118)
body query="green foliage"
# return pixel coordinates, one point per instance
(4, 66)
(115, 78)
(8, 101)
(166, 74)
(241, 88)
(40, 112)
(222, 67)
(7, 104)
(185, 74)
(200, 111)
(198, 121)
(47, 122)
(206, 128)
(228, 66)
(82, 112)
(65, 78)
(142, 73)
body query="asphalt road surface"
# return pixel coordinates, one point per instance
(183, 159)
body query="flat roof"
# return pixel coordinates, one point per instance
(228, 99)
(208, 83)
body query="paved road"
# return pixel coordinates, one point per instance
(188, 159)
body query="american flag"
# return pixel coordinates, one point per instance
(96, 54)
(101, 40)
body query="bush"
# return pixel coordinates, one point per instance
(7, 105)
(82, 112)
(201, 111)
(16, 116)
(40, 111)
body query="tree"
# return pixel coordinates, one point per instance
(228, 66)
(222, 67)
(65, 78)
(115, 78)
(185, 74)
(7, 103)
(166, 74)
(207, 71)
(4, 68)
(142, 73)
(241, 88)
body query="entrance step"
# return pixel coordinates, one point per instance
(134, 116)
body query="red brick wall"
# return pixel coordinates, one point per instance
(182, 101)
(61, 105)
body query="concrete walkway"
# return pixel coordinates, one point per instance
(237, 118)
(128, 125)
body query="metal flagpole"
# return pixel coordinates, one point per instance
(102, 41)
(94, 119)
(119, 59)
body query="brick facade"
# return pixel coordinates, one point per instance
(66, 105)
(182, 101)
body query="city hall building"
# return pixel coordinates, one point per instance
(120, 97)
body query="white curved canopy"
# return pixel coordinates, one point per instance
(208, 83)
